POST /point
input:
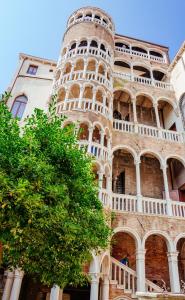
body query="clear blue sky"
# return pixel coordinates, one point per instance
(36, 26)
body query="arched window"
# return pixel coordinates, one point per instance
(18, 106)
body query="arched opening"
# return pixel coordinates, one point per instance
(145, 110)
(83, 132)
(102, 47)
(122, 106)
(91, 65)
(141, 71)
(124, 249)
(19, 106)
(94, 44)
(152, 184)
(67, 68)
(97, 17)
(139, 49)
(79, 66)
(176, 179)
(155, 53)
(73, 46)
(79, 16)
(121, 66)
(121, 45)
(156, 261)
(182, 108)
(99, 96)
(96, 170)
(158, 75)
(181, 259)
(83, 43)
(89, 15)
(88, 92)
(96, 134)
(167, 115)
(101, 69)
(123, 173)
(74, 91)
(61, 95)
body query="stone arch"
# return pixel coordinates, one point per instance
(180, 236)
(137, 45)
(127, 148)
(94, 265)
(124, 60)
(101, 68)
(153, 153)
(74, 91)
(169, 101)
(61, 95)
(157, 51)
(67, 68)
(91, 64)
(150, 97)
(177, 157)
(132, 233)
(105, 264)
(169, 242)
(79, 65)
(99, 95)
(88, 91)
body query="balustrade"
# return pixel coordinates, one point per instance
(140, 54)
(83, 105)
(89, 75)
(123, 202)
(144, 80)
(168, 135)
(87, 50)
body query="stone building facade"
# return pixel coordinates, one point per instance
(130, 102)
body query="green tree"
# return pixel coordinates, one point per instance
(51, 218)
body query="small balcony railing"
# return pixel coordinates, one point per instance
(150, 131)
(140, 54)
(150, 206)
(144, 80)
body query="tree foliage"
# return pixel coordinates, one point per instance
(51, 218)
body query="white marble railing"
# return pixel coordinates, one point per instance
(168, 135)
(140, 54)
(178, 209)
(92, 19)
(88, 50)
(104, 197)
(126, 278)
(150, 206)
(122, 202)
(88, 75)
(83, 105)
(144, 80)
(97, 150)
(154, 206)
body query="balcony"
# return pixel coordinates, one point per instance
(140, 54)
(150, 131)
(150, 206)
(143, 80)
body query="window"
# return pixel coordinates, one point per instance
(18, 106)
(32, 70)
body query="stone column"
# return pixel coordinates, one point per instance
(85, 69)
(16, 288)
(8, 285)
(66, 98)
(134, 110)
(94, 97)
(166, 188)
(105, 288)
(90, 139)
(138, 186)
(94, 286)
(56, 293)
(174, 272)
(140, 270)
(80, 97)
(157, 115)
(72, 70)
